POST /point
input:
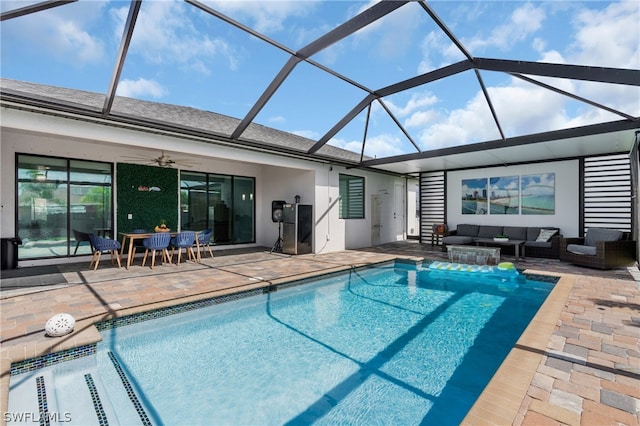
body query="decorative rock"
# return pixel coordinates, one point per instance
(59, 325)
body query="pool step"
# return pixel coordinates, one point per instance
(69, 393)
(46, 398)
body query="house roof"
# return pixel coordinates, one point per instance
(207, 126)
(613, 133)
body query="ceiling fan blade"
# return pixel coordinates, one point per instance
(135, 158)
(164, 160)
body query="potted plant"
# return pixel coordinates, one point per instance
(501, 237)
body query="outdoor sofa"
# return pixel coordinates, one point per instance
(545, 245)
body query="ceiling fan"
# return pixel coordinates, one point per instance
(164, 160)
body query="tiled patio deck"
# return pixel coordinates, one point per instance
(577, 363)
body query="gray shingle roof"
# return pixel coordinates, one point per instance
(180, 118)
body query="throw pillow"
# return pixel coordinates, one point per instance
(545, 235)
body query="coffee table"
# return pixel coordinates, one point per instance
(517, 244)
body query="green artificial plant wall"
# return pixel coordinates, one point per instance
(149, 194)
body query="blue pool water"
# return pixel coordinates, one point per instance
(390, 345)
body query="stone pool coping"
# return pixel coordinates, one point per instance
(502, 398)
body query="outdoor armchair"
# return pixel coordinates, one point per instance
(204, 240)
(81, 237)
(158, 241)
(600, 248)
(100, 245)
(137, 243)
(184, 239)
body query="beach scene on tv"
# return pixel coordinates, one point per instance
(538, 193)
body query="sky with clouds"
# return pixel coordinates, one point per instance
(182, 55)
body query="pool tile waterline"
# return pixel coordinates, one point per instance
(48, 360)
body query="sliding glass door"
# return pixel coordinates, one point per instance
(222, 203)
(57, 196)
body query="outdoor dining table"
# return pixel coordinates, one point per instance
(133, 236)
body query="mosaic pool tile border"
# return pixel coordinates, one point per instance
(34, 364)
(552, 279)
(409, 261)
(308, 280)
(172, 310)
(130, 392)
(43, 405)
(95, 398)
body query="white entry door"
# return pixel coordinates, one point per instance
(399, 211)
(375, 219)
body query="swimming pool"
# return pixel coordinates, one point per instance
(396, 344)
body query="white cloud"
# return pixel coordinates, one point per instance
(421, 118)
(140, 88)
(265, 16)
(523, 108)
(277, 119)
(64, 33)
(382, 146)
(349, 145)
(538, 44)
(309, 134)
(164, 34)
(393, 34)
(71, 38)
(378, 146)
(608, 36)
(523, 22)
(416, 101)
(438, 51)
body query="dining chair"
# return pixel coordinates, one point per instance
(184, 239)
(137, 243)
(158, 241)
(81, 237)
(100, 245)
(204, 240)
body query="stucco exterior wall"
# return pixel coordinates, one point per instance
(567, 203)
(277, 177)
